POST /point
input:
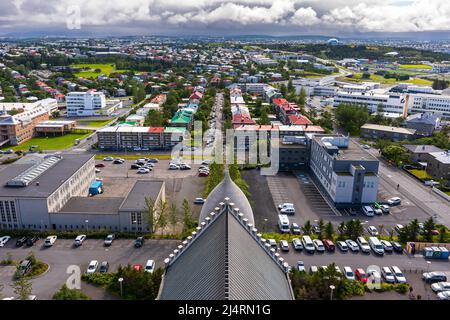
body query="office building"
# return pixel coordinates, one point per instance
(90, 103)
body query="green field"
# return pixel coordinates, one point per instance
(421, 174)
(94, 123)
(50, 143)
(104, 68)
(357, 77)
(414, 66)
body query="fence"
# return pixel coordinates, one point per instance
(441, 194)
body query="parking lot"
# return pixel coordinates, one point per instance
(63, 254)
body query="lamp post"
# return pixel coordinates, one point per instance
(264, 225)
(87, 225)
(428, 269)
(331, 293)
(135, 227)
(121, 286)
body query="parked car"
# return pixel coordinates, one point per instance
(329, 245)
(150, 266)
(288, 211)
(342, 246)
(377, 211)
(25, 267)
(143, 170)
(440, 286)
(272, 242)
(50, 240)
(203, 174)
(348, 273)
(372, 231)
(315, 228)
(118, 161)
(387, 246)
(295, 228)
(99, 165)
(444, 295)
(139, 242)
(318, 244)
(109, 239)
(32, 240)
(397, 247)
(352, 245)
(385, 208)
(104, 267)
(361, 275)
(432, 277)
(4, 240)
(313, 269)
(138, 267)
(135, 166)
(398, 228)
(21, 241)
(285, 205)
(284, 245)
(184, 166)
(388, 275)
(199, 201)
(363, 244)
(92, 267)
(108, 159)
(368, 211)
(173, 166)
(394, 201)
(399, 277)
(79, 240)
(301, 266)
(297, 244)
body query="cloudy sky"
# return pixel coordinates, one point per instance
(221, 17)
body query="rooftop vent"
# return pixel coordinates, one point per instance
(26, 177)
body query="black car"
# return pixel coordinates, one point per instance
(136, 166)
(104, 267)
(153, 160)
(21, 241)
(31, 240)
(139, 242)
(397, 247)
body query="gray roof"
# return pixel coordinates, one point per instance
(49, 181)
(93, 205)
(225, 261)
(135, 199)
(227, 188)
(422, 148)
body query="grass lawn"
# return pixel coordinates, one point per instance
(357, 77)
(421, 174)
(105, 68)
(94, 123)
(50, 143)
(414, 66)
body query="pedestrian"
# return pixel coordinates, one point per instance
(398, 186)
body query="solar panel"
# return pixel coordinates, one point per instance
(26, 177)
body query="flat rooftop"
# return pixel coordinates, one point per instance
(135, 199)
(377, 127)
(352, 152)
(92, 205)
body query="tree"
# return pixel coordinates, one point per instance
(351, 117)
(439, 84)
(264, 117)
(22, 287)
(307, 227)
(150, 210)
(188, 220)
(428, 227)
(162, 217)
(342, 230)
(395, 153)
(173, 216)
(69, 294)
(302, 97)
(290, 86)
(321, 226)
(414, 230)
(329, 230)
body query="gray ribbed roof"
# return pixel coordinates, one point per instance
(227, 189)
(225, 261)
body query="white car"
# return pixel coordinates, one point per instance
(143, 170)
(348, 273)
(444, 295)
(301, 266)
(399, 228)
(288, 211)
(50, 240)
(319, 245)
(363, 244)
(384, 208)
(352, 245)
(108, 159)
(297, 244)
(398, 274)
(284, 245)
(173, 166)
(342, 246)
(440, 286)
(92, 267)
(150, 266)
(4, 240)
(373, 231)
(388, 275)
(394, 201)
(109, 239)
(285, 205)
(79, 240)
(272, 242)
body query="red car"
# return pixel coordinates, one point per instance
(361, 275)
(329, 245)
(203, 174)
(99, 165)
(138, 267)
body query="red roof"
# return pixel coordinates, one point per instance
(196, 95)
(156, 129)
(239, 118)
(279, 101)
(299, 120)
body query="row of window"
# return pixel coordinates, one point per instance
(8, 211)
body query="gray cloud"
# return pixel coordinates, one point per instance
(267, 15)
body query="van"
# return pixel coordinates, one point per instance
(308, 244)
(283, 223)
(376, 245)
(368, 211)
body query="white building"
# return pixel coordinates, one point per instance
(394, 103)
(90, 103)
(418, 103)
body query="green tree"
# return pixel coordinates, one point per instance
(329, 230)
(22, 287)
(321, 225)
(188, 220)
(428, 227)
(396, 154)
(162, 215)
(414, 230)
(307, 227)
(150, 210)
(351, 117)
(69, 294)
(302, 97)
(173, 216)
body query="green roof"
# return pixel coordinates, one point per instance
(174, 130)
(181, 117)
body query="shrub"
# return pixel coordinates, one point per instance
(69, 294)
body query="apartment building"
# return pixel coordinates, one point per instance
(393, 102)
(347, 174)
(375, 131)
(422, 102)
(90, 103)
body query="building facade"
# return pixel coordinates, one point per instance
(90, 103)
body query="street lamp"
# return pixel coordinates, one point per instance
(428, 265)
(264, 226)
(331, 293)
(135, 228)
(121, 287)
(87, 225)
